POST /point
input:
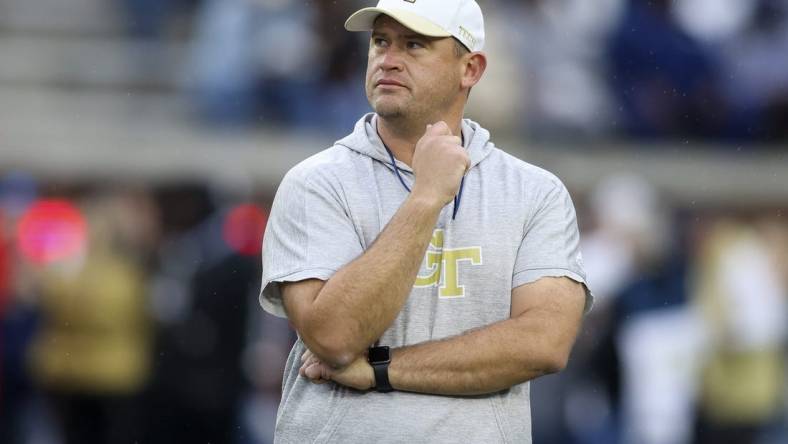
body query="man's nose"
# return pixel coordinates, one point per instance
(392, 60)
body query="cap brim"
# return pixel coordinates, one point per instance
(364, 20)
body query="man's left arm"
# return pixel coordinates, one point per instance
(536, 340)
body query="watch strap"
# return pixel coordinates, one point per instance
(382, 377)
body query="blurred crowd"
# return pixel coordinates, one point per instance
(644, 69)
(129, 313)
(687, 340)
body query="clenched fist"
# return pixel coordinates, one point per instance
(439, 162)
(358, 375)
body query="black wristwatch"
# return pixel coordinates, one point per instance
(379, 358)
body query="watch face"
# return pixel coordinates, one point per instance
(379, 354)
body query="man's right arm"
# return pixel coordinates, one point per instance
(339, 318)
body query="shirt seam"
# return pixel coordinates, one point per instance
(300, 270)
(547, 268)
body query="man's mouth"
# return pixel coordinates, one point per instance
(389, 83)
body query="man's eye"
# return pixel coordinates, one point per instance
(415, 45)
(379, 41)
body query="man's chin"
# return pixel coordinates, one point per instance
(388, 107)
(388, 110)
(390, 114)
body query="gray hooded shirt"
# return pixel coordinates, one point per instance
(514, 224)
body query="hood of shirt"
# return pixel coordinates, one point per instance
(366, 140)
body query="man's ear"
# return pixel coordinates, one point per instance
(473, 68)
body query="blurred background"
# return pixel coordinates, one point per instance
(142, 141)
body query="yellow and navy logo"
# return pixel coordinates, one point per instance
(443, 266)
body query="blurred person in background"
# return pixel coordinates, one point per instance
(559, 82)
(264, 363)
(149, 19)
(636, 366)
(376, 270)
(18, 312)
(91, 355)
(9, 384)
(664, 79)
(6, 257)
(656, 334)
(742, 293)
(745, 39)
(250, 60)
(206, 281)
(278, 62)
(755, 73)
(339, 91)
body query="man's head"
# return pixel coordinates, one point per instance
(424, 56)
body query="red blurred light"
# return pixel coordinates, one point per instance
(244, 227)
(51, 230)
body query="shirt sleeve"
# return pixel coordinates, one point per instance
(551, 244)
(310, 235)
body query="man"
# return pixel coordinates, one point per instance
(458, 262)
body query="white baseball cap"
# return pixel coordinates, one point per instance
(461, 19)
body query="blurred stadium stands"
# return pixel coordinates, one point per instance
(82, 90)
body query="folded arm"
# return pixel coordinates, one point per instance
(339, 318)
(537, 339)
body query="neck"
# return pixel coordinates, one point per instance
(401, 137)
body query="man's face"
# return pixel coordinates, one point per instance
(411, 75)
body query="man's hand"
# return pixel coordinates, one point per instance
(439, 162)
(358, 375)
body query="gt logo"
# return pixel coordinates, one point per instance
(443, 266)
